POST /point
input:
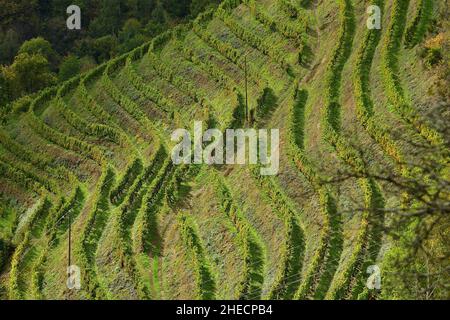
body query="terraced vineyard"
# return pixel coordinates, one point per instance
(94, 153)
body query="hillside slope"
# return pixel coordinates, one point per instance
(96, 152)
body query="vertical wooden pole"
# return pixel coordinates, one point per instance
(246, 92)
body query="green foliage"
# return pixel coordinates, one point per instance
(432, 57)
(294, 30)
(292, 10)
(70, 67)
(109, 19)
(95, 225)
(266, 46)
(131, 35)
(362, 92)
(266, 104)
(14, 291)
(38, 46)
(288, 277)
(177, 8)
(119, 193)
(205, 281)
(30, 73)
(391, 80)
(9, 44)
(21, 178)
(249, 243)
(124, 101)
(93, 129)
(5, 250)
(418, 27)
(198, 6)
(104, 48)
(62, 140)
(127, 214)
(147, 89)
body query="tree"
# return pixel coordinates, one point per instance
(69, 68)
(178, 8)
(131, 28)
(417, 211)
(104, 48)
(109, 20)
(145, 9)
(131, 37)
(40, 46)
(159, 14)
(20, 15)
(4, 91)
(198, 6)
(37, 46)
(32, 72)
(9, 44)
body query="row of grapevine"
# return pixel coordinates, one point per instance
(64, 141)
(167, 72)
(288, 278)
(205, 281)
(348, 154)
(91, 104)
(25, 252)
(224, 48)
(58, 222)
(56, 225)
(93, 129)
(39, 160)
(29, 171)
(291, 10)
(14, 291)
(126, 103)
(95, 225)
(325, 258)
(34, 221)
(366, 247)
(362, 93)
(146, 236)
(390, 72)
(20, 178)
(145, 229)
(295, 137)
(292, 30)
(119, 192)
(418, 26)
(148, 90)
(248, 241)
(211, 68)
(336, 65)
(266, 46)
(37, 270)
(56, 137)
(128, 216)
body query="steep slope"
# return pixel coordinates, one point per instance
(98, 149)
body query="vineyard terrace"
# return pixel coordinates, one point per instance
(235, 147)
